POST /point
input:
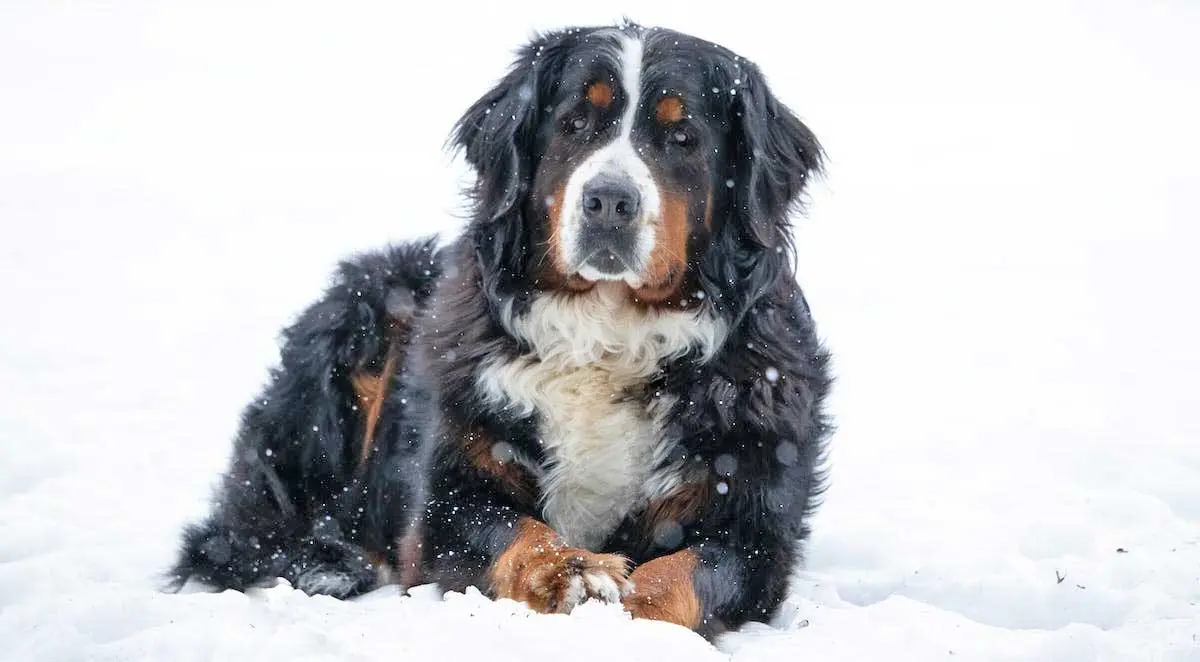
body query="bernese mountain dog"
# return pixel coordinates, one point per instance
(608, 387)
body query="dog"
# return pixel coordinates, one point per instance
(608, 387)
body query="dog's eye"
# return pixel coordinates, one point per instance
(576, 124)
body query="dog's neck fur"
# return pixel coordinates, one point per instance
(591, 356)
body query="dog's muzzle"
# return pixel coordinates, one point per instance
(608, 237)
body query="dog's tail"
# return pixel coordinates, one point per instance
(290, 502)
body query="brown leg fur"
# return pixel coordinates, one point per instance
(372, 391)
(663, 590)
(539, 570)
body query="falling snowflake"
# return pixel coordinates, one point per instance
(668, 534)
(503, 452)
(787, 453)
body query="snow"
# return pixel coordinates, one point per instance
(1002, 259)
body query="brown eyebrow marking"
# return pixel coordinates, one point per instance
(600, 94)
(669, 110)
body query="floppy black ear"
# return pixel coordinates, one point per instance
(498, 136)
(776, 155)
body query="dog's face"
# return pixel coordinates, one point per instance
(625, 176)
(627, 154)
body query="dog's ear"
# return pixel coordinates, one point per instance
(498, 137)
(498, 133)
(775, 157)
(495, 133)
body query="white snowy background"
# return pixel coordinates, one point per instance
(1003, 258)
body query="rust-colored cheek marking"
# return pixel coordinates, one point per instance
(668, 260)
(669, 110)
(554, 238)
(555, 271)
(663, 590)
(600, 94)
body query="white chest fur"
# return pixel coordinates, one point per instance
(601, 434)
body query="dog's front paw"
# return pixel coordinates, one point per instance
(580, 576)
(553, 579)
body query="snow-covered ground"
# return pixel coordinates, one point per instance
(1002, 257)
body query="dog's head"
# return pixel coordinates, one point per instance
(633, 155)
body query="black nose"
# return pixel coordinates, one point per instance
(610, 201)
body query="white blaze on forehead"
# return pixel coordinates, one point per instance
(632, 50)
(619, 157)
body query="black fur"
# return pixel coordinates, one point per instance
(305, 511)
(293, 503)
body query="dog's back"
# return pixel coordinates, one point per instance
(313, 479)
